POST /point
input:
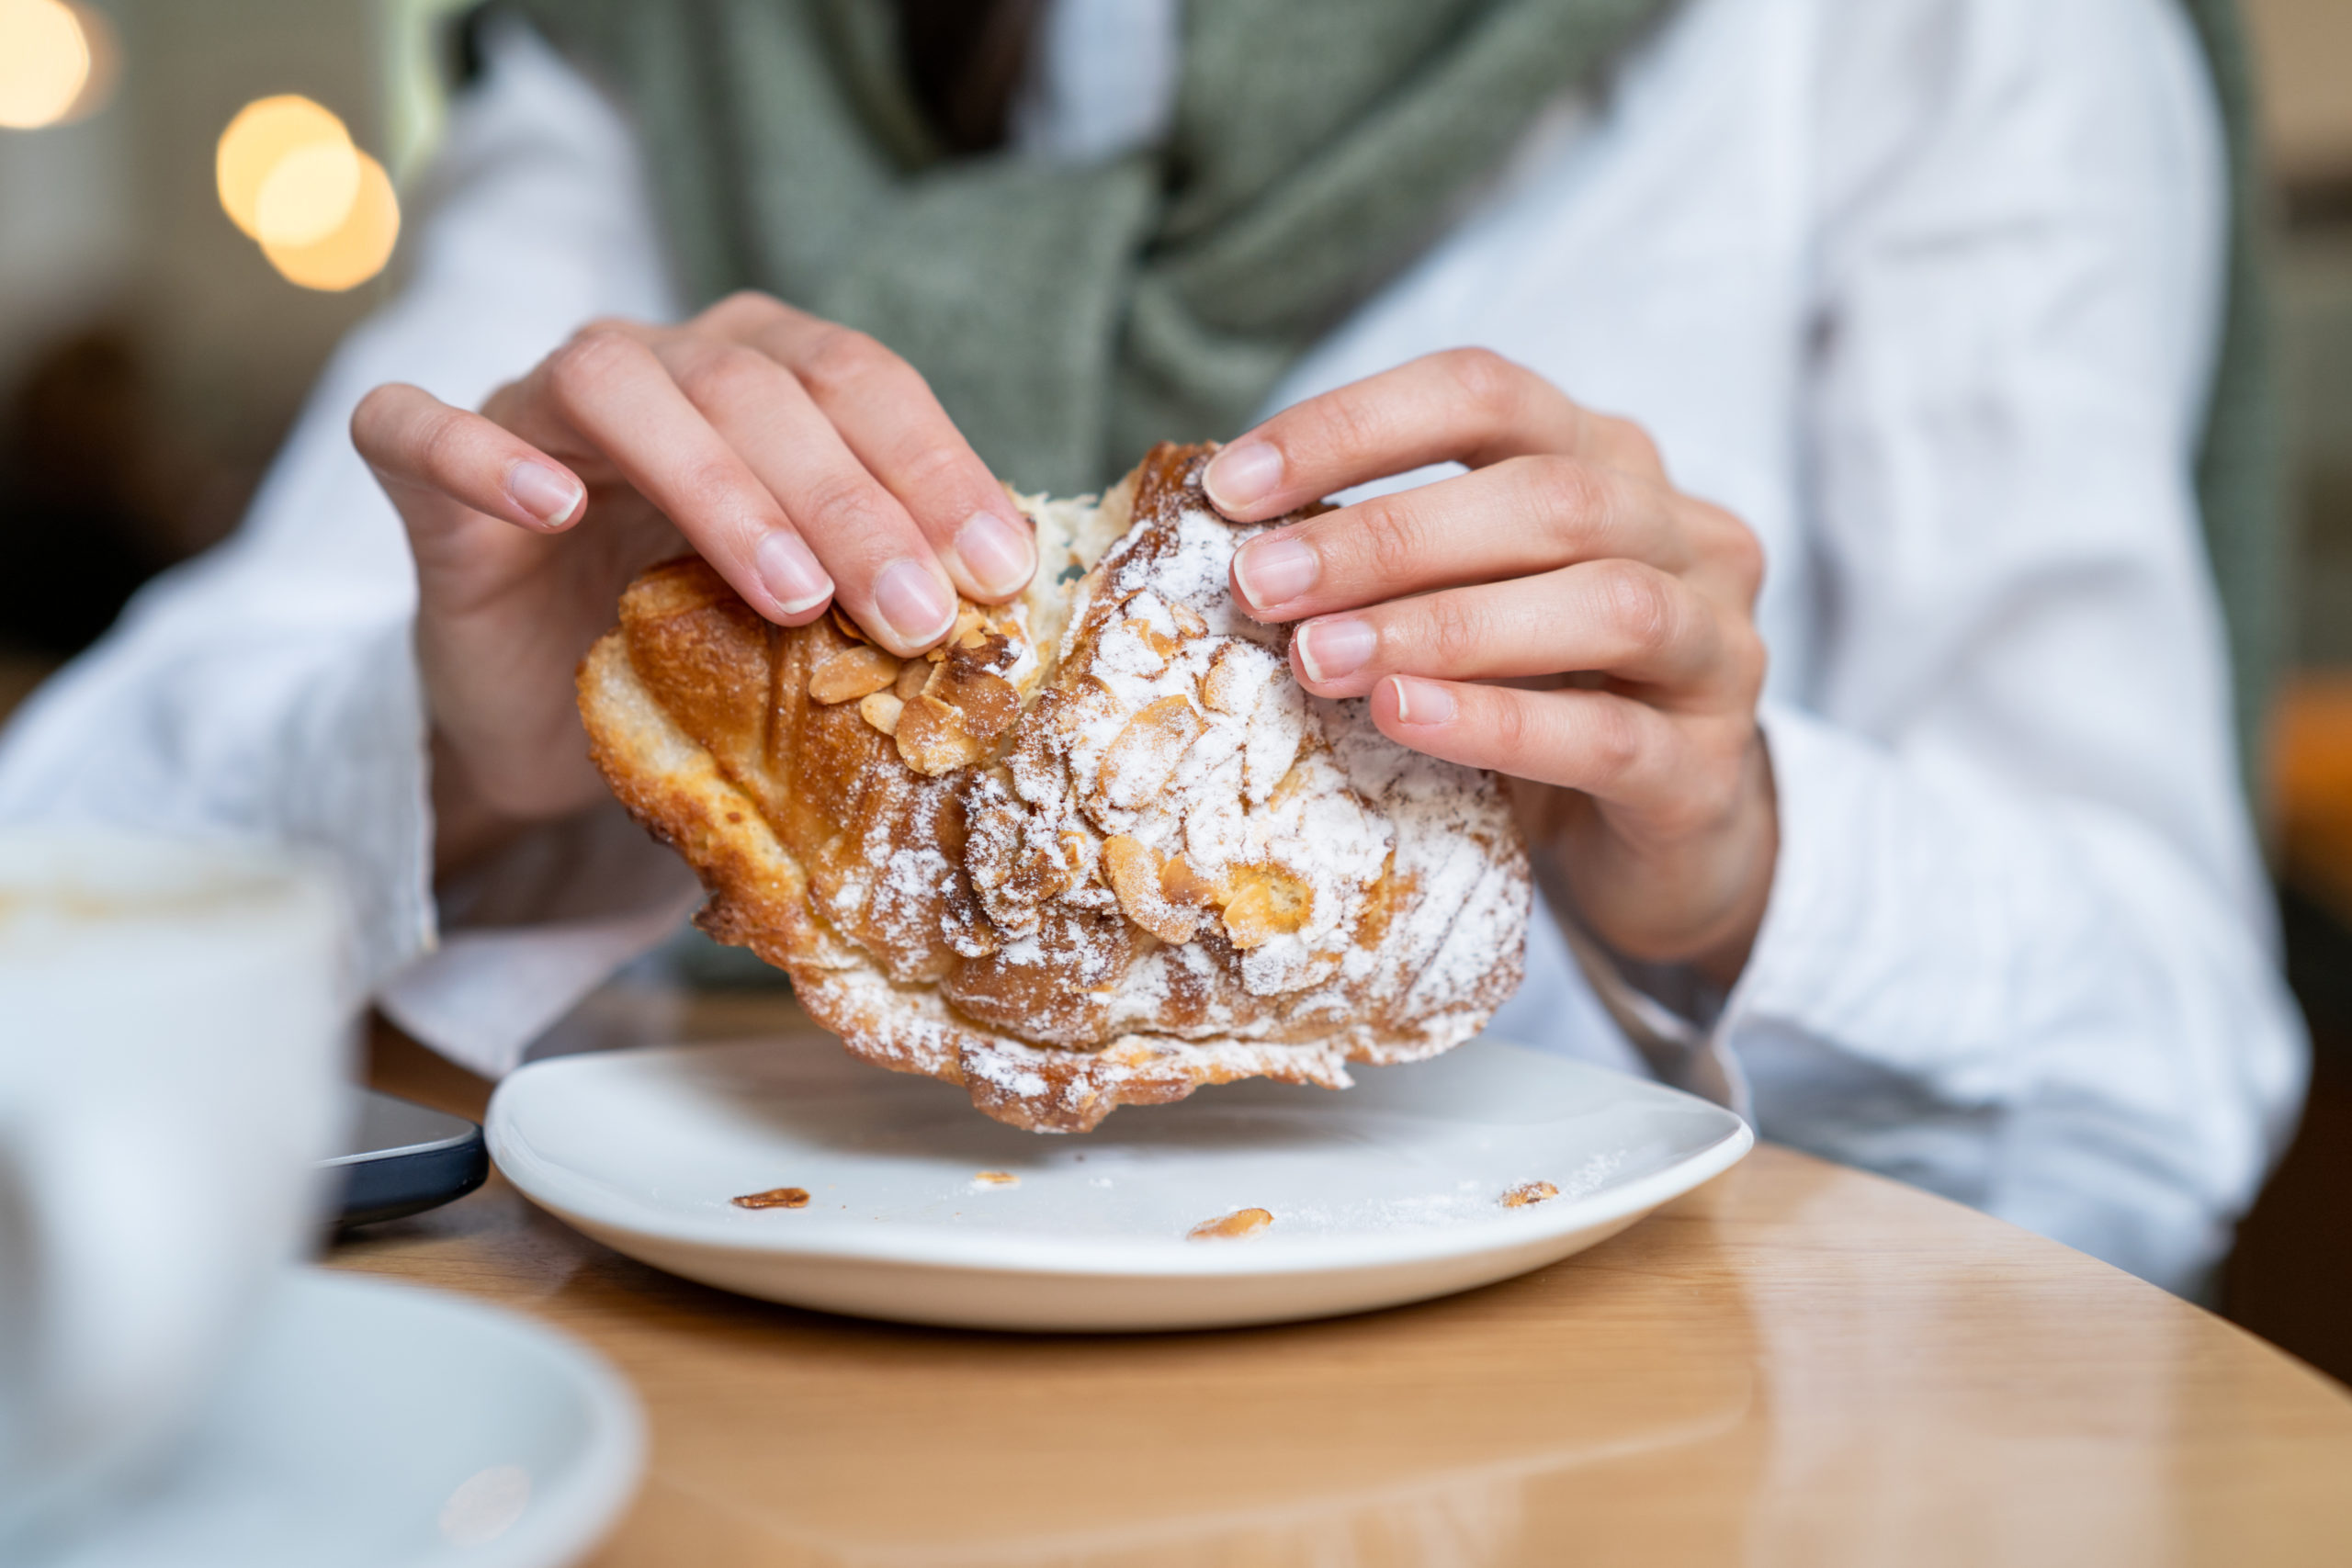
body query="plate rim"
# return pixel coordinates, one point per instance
(570, 1515)
(585, 1201)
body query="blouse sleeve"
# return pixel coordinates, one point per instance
(2018, 943)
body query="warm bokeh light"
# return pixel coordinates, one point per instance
(323, 211)
(358, 249)
(257, 141)
(44, 63)
(105, 62)
(308, 195)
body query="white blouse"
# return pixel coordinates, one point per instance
(1925, 290)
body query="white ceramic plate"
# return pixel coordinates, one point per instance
(1387, 1193)
(378, 1426)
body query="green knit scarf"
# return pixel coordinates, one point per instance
(1069, 317)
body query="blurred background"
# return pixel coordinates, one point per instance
(167, 299)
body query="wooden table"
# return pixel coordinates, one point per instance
(1797, 1365)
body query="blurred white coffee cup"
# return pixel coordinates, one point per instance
(175, 1032)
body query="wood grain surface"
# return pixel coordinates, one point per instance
(1798, 1364)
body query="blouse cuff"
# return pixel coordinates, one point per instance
(1663, 1014)
(1885, 934)
(1876, 936)
(525, 938)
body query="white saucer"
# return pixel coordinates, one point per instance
(1387, 1193)
(373, 1424)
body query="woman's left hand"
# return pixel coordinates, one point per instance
(1560, 614)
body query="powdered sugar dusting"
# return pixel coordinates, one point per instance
(1295, 868)
(1172, 868)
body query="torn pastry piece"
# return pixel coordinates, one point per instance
(1097, 848)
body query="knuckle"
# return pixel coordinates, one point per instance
(1453, 631)
(839, 507)
(1612, 743)
(1747, 660)
(745, 305)
(728, 377)
(1509, 731)
(1485, 380)
(1394, 542)
(931, 464)
(1744, 553)
(708, 487)
(594, 358)
(1639, 606)
(1338, 429)
(1628, 443)
(1575, 496)
(839, 358)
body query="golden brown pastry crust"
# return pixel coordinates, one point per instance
(1094, 874)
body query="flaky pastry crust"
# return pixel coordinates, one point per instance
(1098, 850)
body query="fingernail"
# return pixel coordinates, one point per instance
(1422, 702)
(1274, 571)
(998, 555)
(545, 493)
(1333, 650)
(917, 608)
(790, 572)
(1243, 475)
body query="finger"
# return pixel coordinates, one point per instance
(415, 442)
(1610, 746)
(1466, 405)
(887, 576)
(1521, 515)
(888, 417)
(612, 388)
(1616, 617)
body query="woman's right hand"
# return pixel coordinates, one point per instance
(803, 461)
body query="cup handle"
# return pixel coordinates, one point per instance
(106, 1338)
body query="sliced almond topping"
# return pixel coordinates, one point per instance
(1232, 1226)
(997, 1178)
(850, 673)
(1139, 760)
(1277, 734)
(774, 1198)
(1295, 779)
(1087, 703)
(1380, 904)
(932, 739)
(912, 674)
(881, 709)
(1179, 884)
(989, 704)
(1133, 647)
(1133, 867)
(1237, 672)
(985, 650)
(1267, 902)
(845, 626)
(1527, 1192)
